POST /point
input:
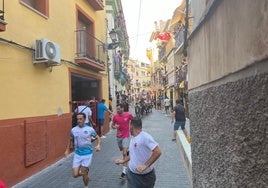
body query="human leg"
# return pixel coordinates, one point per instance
(86, 162)
(101, 123)
(188, 138)
(175, 128)
(123, 144)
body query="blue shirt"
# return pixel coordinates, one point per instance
(82, 139)
(101, 109)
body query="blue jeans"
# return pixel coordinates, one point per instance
(178, 124)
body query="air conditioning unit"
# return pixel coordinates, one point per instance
(47, 51)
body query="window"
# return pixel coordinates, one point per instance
(40, 6)
(85, 37)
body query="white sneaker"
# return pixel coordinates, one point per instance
(103, 136)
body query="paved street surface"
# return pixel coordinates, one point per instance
(104, 173)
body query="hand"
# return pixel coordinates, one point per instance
(115, 126)
(119, 161)
(98, 148)
(141, 168)
(67, 152)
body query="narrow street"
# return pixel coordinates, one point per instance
(104, 173)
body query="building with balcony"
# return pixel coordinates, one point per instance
(118, 52)
(50, 62)
(169, 72)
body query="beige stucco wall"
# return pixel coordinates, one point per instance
(231, 40)
(36, 90)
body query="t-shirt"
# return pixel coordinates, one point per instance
(86, 111)
(179, 113)
(167, 102)
(82, 139)
(140, 150)
(123, 120)
(101, 109)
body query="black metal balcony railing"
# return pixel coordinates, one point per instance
(162, 53)
(90, 47)
(179, 38)
(2, 10)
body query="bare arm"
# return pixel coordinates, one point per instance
(173, 116)
(98, 147)
(155, 155)
(70, 147)
(91, 121)
(122, 161)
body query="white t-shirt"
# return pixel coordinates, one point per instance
(140, 150)
(167, 102)
(82, 139)
(87, 111)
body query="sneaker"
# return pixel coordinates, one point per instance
(103, 136)
(123, 176)
(188, 138)
(174, 139)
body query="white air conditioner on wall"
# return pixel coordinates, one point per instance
(47, 51)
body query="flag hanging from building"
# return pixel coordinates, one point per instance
(164, 36)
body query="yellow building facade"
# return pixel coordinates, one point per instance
(50, 61)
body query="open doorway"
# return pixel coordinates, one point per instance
(83, 88)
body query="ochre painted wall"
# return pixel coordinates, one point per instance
(35, 99)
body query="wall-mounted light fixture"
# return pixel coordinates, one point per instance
(113, 36)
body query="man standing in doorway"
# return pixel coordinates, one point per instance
(80, 141)
(143, 152)
(101, 115)
(121, 122)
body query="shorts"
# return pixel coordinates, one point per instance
(123, 142)
(101, 122)
(83, 160)
(178, 124)
(166, 107)
(141, 181)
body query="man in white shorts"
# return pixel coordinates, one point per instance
(80, 141)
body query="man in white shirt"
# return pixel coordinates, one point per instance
(86, 110)
(167, 104)
(143, 152)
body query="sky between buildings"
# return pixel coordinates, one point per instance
(140, 16)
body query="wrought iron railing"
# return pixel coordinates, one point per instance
(2, 10)
(88, 46)
(179, 38)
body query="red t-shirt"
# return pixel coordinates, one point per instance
(123, 120)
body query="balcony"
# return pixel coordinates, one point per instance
(90, 53)
(179, 38)
(2, 16)
(96, 4)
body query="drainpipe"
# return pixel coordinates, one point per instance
(185, 45)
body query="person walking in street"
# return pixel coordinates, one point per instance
(121, 122)
(143, 152)
(167, 104)
(101, 115)
(86, 110)
(80, 141)
(178, 115)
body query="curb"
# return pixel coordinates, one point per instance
(185, 149)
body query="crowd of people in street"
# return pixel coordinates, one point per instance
(139, 149)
